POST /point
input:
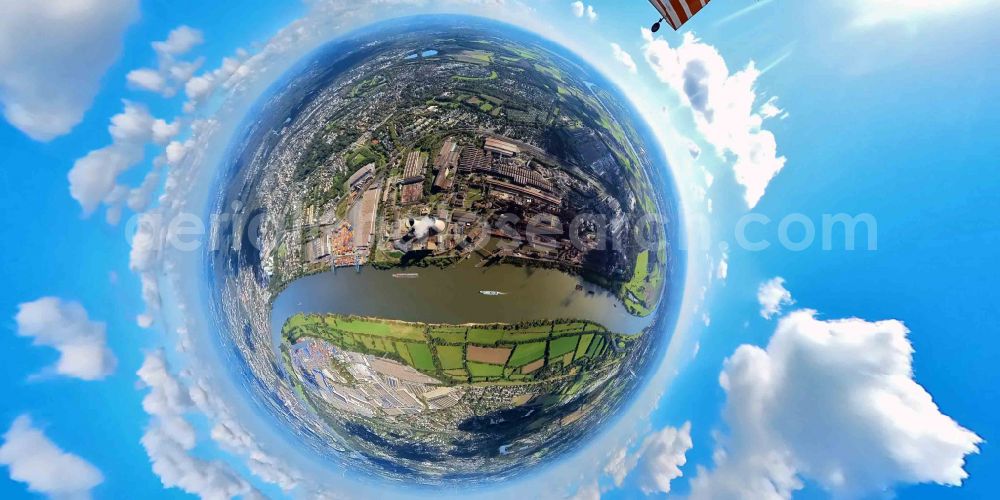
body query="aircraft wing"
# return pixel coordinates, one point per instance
(678, 12)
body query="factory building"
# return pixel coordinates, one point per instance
(359, 178)
(502, 148)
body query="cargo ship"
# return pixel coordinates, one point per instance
(405, 275)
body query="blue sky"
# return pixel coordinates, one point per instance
(884, 107)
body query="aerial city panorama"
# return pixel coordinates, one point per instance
(461, 245)
(499, 249)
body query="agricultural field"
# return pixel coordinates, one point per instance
(450, 356)
(526, 353)
(474, 56)
(512, 353)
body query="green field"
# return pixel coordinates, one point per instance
(440, 350)
(526, 353)
(448, 335)
(528, 334)
(474, 57)
(451, 356)
(423, 360)
(485, 335)
(492, 76)
(384, 328)
(404, 353)
(574, 327)
(581, 348)
(484, 370)
(595, 347)
(562, 345)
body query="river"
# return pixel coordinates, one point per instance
(452, 296)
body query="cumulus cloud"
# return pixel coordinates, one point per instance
(655, 463)
(65, 327)
(170, 72)
(147, 79)
(180, 41)
(233, 437)
(833, 402)
(144, 260)
(772, 295)
(35, 460)
(231, 71)
(624, 58)
(582, 10)
(53, 54)
(722, 104)
(93, 178)
(661, 457)
(619, 465)
(169, 438)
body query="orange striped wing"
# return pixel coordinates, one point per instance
(678, 12)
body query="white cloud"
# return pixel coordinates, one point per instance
(722, 270)
(770, 108)
(200, 87)
(53, 54)
(65, 327)
(722, 104)
(660, 458)
(144, 260)
(619, 466)
(233, 437)
(163, 131)
(170, 73)
(589, 491)
(624, 57)
(169, 438)
(138, 198)
(655, 463)
(872, 13)
(180, 41)
(582, 10)
(833, 402)
(35, 460)
(114, 200)
(93, 178)
(772, 295)
(147, 79)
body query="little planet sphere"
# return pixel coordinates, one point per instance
(448, 251)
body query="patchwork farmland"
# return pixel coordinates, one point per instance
(512, 353)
